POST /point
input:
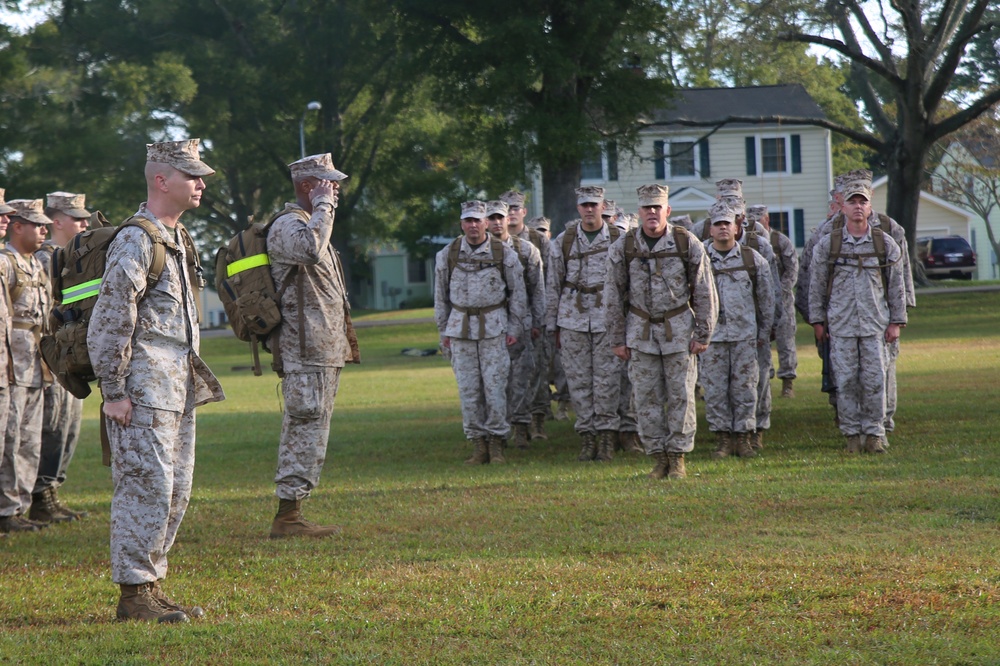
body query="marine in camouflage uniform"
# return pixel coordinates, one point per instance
(480, 307)
(787, 263)
(860, 304)
(28, 310)
(522, 383)
(555, 386)
(628, 424)
(314, 341)
(143, 341)
(5, 210)
(728, 369)
(541, 402)
(575, 281)
(63, 412)
(661, 311)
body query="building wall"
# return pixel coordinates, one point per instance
(390, 287)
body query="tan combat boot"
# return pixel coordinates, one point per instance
(44, 510)
(630, 442)
(743, 448)
(723, 445)
(76, 515)
(16, 524)
(495, 445)
(606, 445)
(874, 444)
(757, 440)
(588, 447)
(538, 427)
(289, 522)
(521, 435)
(675, 466)
(170, 604)
(854, 443)
(138, 603)
(787, 390)
(661, 467)
(480, 455)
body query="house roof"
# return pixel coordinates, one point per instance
(711, 104)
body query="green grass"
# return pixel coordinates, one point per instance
(803, 555)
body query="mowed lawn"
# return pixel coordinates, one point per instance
(803, 555)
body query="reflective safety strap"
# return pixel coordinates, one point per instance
(81, 291)
(246, 263)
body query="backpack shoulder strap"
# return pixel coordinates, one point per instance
(629, 249)
(159, 259)
(569, 237)
(751, 268)
(885, 223)
(614, 232)
(878, 240)
(496, 246)
(15, 290)
(706, 229)
(535, 238)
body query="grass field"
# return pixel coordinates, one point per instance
(803, 555)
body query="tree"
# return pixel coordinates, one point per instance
(540, 82)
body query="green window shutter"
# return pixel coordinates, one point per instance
(800, 227)
(704, 163)
(658, 163)
(751, 144)
(796, 153)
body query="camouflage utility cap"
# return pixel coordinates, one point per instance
(858, 174)
(653, 195)
(4, 208)
(756, 213)
(728, 187)
(513, 198)
(736, 203)
(683, 220)
(609, 208)
(30, 210)
(71, 204)
(862, 187)
(589, 194)
(181, 155)
(540, 223)
(476, 209)
(496, 208)
(316, 166)
(721, 212)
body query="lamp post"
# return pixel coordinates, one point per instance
(311, 106)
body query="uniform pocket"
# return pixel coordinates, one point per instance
(132, 446)
(304, 394)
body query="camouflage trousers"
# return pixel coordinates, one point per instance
(626, 404)
(481, 368)
(765, 371)
(305, 430)
(60, 434)
(152, 465)
(784, 338)
(522, 381)
(22, 447)
(729, 374)
(593, 374)
(665, 380)
(859, 368)
(891, 354)
(542, 401)
(557, 376)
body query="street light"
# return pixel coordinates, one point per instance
(311, 106)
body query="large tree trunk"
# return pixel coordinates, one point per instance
(558, 186)
(905, 170)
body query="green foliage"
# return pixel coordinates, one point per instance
(803, 555)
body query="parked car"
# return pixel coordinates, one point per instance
(946, 256)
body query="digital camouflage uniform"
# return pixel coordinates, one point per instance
(63, 413)
(541, 403)
(857, 313)
(522, 384)
(144, 345)
(784, 322)
(803, 291)
(576, 306)
(312, 344)
(23, 440)
(728, 369)
(662, 368)
(479, 355)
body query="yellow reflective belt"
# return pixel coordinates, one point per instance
(81, 291)
(246, 263)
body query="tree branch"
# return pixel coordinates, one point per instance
(964, 117)
(864, 138)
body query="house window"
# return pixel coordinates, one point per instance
(681, 158)
(772, 155)
(779, 220)
(601, 166)
(416, 270)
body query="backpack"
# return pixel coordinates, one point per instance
(496, 248)
(76, 273)
(836, 243)
(246, 288)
